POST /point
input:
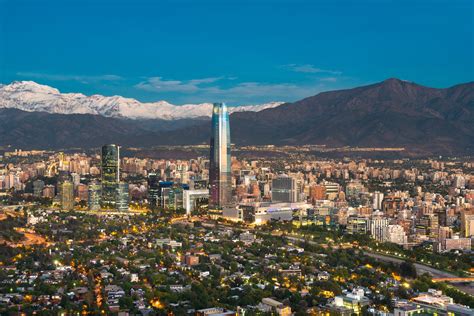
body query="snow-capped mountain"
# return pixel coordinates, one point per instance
(33, 97)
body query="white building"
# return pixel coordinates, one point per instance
(377, 200)
(395, 234)
(190, 197)
(376, 227)
(269, 305)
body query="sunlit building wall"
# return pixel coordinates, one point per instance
(67, 195)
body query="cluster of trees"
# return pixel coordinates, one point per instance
(7, 228)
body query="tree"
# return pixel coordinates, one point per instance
(408, 269)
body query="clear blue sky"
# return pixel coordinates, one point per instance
(241, 52)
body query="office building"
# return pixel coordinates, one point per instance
(67, 195)
(317, 192)
(395, 234)
(193, 199)
(153, 191)
(122, 197)
(262, 212)
(376, 227)
(219, 169)
(332, 190)
(38, 186)
(467, 222)
(284, 189)
(110, 168)
(357, 225)
(49, 191)
(94, 194)
(82, 192)
(377, 200)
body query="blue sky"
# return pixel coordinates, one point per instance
(241, 52)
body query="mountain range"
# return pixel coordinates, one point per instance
(33, 97)
(391, 113)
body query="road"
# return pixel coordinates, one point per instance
(420, 268)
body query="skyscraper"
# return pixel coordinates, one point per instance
(153, 190)
(94, 196)
(110, 168)
(219, 169)
(284, 189)
(377, 200)
(122, 197)
(67, 195)
(38, 186)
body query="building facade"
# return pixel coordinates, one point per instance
(110, 167)
(67, 195)
(284, 189)
(122, 197)
(153, 190)
(220, 187)
(93, 199)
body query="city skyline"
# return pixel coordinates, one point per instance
(299, 157)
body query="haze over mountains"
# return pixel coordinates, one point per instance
(392, 113)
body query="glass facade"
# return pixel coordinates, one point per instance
(219, 169)
(284, 189)
(153, 190)
(67, 195)
(94, 197)
(122, 197)
(110, 175)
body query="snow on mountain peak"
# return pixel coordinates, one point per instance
(33, 97)
(29, 86)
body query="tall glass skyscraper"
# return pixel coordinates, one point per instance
(67, 195)
(122, 197)
(219, 169)
(94, 196)
(153, 190)
(110, 167)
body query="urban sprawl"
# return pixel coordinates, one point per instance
(108, 234)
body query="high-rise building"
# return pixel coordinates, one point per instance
(284, 189)
(394, 234)
(377, 200)
(357, 225)
(467, 222)
(376, 226)
(153, 190)
(38, 186)
(192, 199)
(82, 192)
(122, 197)
(219, 170)
(49, 191)
(110, 168)
(67, 195)
(94, 195)
(317, 192)
(332, 189)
